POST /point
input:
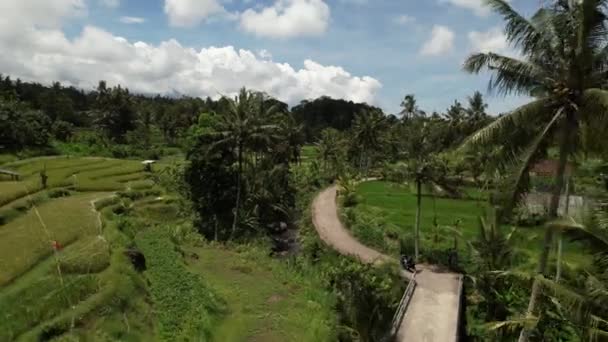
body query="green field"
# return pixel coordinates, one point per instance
(44, 292)
(395, 207)
(97, 208)
(266, 302)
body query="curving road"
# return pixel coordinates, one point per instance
(432, 315)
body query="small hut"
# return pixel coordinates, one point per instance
(148, 165)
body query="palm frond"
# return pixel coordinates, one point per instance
(526, 159)
(574, 302)
(510, 75)
(564, 223)
(514, 324)
(592, 29)
(595, 107)
(520, 31)
(499, 129)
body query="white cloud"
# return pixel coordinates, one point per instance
(288, 18)
(45, 14)
(404, 19)
(477, 6)
(132, 20)
(110, 3)
(493, 40)
(46, 54)
(189, 13)
(440, 42)
(264, 54)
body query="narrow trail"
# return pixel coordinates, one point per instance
(433, 312)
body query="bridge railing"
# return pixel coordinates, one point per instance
(402, 308)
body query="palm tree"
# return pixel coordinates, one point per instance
(328, 148)
(242, 127)
(410, 109)
(493, 251)
(293, 135)
(431, 174)
(563, 66)
(368, 128)
(585, 307)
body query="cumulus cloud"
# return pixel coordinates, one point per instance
(132, 20)
(189, 13)
(493, 40)
(440, 42)
(477, 6)
(45, 14)
(264, 54)
(287, 18)
(46, 54)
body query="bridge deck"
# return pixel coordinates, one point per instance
(433, 312)
(432, 315)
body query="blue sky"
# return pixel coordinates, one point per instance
(383, 49)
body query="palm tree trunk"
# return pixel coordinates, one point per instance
(417, 228)
(560, 244)
(548, 240)
(238, 190)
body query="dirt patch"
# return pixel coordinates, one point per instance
(275, 298)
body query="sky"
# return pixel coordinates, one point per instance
(373, 51)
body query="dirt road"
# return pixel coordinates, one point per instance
(432, 315)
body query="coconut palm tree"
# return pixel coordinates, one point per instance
(367, 134)
(329, 149)
(244, 127)
(431, 174)
(563, 65)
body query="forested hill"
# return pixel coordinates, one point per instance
(326, 112)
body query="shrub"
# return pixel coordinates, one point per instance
(367, 298)
(57, 193)
(62, 130)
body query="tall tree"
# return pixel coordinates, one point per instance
(115, 111)
(564, 64)
(241, 128)
(329, 150)
(429, 173)
(409, 109)
(367, 135)
(477, 107)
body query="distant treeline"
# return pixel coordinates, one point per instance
(32, 115)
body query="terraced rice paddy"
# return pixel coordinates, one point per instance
(44, 290)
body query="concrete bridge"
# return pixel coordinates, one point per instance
(430, 308)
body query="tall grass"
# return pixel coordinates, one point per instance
(186, 307)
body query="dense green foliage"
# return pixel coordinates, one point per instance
(326, 112)
(184, 305)
(244, 154)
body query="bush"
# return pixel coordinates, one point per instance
(367, 298)
(396, 173)
(57, 193)
(21, 127)
(62, 130)
(523, 217)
